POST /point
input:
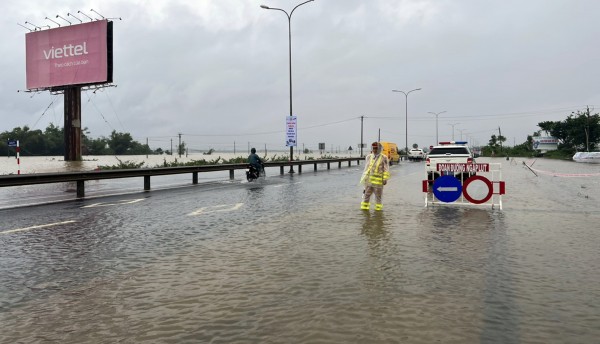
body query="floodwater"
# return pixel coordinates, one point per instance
(292, 259)
(45, 164)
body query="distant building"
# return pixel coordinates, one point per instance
(545, 143)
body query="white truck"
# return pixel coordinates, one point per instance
(442, 159)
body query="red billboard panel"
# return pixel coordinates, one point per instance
(71, 55)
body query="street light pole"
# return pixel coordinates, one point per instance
(289, 16)
(461, 133)
(453, 124)
(406, 113)
(437, 140)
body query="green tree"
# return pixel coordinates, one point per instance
(580, 131)
(181, 148)
(97, 146)
(55, 140)
(120, 143)
(51, 142)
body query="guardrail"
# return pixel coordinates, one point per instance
(82, 177)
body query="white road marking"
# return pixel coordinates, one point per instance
(102, 204)
(216, 209)
(280, 185)
(36, 227)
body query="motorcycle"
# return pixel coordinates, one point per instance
(252, 173)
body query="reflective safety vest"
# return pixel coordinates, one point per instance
(376, 172)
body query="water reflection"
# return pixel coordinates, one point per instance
(471, 254)
(384, 266)
(374, 229)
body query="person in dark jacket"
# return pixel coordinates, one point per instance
(255, 161)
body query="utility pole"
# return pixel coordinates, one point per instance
(499, 136)
(171, 146)
(147, 147)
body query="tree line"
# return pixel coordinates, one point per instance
(580, 131)
(51, 142)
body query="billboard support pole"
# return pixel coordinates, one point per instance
(72, 128)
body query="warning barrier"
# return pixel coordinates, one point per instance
(483, 187)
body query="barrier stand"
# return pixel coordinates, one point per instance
(18, 158)
(448, 189)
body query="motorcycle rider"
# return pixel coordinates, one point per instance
(255, 161)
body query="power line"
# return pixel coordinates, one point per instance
(115, 111)
(90, 100)
(43, 113)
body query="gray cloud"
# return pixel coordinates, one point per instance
(217, 71)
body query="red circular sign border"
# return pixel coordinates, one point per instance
(483, 179)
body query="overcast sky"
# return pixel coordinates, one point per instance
(217, 71)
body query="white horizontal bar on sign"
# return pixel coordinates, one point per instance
(462, 167)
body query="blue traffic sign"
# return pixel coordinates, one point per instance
(447, 188)
(12, 143)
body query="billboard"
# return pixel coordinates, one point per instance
(70, 55)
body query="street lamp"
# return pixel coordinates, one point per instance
(289, 16)
(406, 113)
(437, 140)
(453, 124)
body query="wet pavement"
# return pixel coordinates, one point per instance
(292, 259)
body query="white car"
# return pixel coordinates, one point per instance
(452, 152)
(416, 154)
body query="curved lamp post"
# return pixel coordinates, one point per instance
(289, 16)
(437, 140)
(406, 112)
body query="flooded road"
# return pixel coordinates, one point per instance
(293, 259)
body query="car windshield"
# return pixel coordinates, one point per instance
(449, 150)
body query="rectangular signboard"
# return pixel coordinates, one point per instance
(545, 143)
(70, 55)
(291, 134)
(12, 143)
(463, 167)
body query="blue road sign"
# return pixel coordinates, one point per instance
(447, 188)
(12, 143)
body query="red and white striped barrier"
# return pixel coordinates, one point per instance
(18, 158)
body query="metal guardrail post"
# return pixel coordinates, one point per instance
(80, 189)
